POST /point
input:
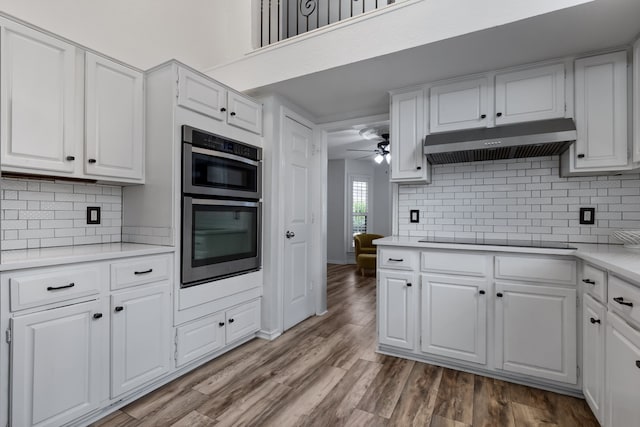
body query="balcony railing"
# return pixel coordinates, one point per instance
(282, 19)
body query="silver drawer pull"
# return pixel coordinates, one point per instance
(57, 288)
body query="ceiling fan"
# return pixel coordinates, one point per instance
(382, 148)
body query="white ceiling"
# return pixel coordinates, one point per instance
(360, 89)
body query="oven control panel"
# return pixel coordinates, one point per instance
(215, 142)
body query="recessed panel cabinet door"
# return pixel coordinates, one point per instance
(397, 299)
(56, 365)
(201, 95)
(454, 317)
(140, 337)
(114, 101)
(459, 105)
(593, 350)
(536, 331)
(244, 113)
(408, 163)
(601, 111)
(37, 105)
(622, 373)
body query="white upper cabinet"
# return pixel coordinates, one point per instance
(459, 105)
(536, 331)
(601, 112)
(408, 163)
(244, 113)
(201, 95)
(531, 94)
(38, 99)
(454, 317)
(114, 108)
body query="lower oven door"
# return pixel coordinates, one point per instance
(220, 238)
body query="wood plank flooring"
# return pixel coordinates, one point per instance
(325, 372)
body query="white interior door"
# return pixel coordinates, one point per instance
(297, 151)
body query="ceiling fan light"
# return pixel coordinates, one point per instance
(387, 157)
(378, 159)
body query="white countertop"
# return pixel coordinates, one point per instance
(614, 258)
(42, 257)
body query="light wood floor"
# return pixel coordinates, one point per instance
(325, 372)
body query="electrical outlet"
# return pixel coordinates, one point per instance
(587, 216)
(93, 215)
(414, 216)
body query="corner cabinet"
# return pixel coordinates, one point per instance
(114, 108)
(601, 116)
(37, 102)
(56, 364)
(408, 163)
(397, 305)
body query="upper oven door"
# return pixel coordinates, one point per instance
(214, 173)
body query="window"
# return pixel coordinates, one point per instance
(359, 207)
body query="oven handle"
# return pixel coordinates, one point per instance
(211, 202)
(213, 153)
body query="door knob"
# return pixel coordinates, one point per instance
(290, 234)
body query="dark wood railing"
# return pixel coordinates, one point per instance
(281, 19)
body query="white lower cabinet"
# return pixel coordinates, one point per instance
(622, 373)
(397, 300)
(140, 337)
(454, 317)
(56, 364)
(535, 331)
(242, 321)
(593, 350)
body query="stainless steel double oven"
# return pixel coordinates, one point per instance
(221, 208)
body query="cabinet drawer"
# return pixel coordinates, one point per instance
(138, 271)
(200, 338)
(398, 259)
(535, 269)
(454, 263)
(595, 282)
(243, 320)
(624, 298)
(53, 285)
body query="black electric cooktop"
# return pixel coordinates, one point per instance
(542, 244)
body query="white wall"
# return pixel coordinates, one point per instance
(379, 222)
(145, 33)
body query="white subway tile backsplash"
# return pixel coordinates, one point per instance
(523, 199)
(41, 214)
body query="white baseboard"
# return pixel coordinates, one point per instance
(268, 335)
(323, 313)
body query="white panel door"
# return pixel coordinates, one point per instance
(454, 317)
(460, 105)
(199, 338)
(37, 102)
(536, 331)
(114, 111)
(528, 95)
(397, 302)
(140, 337)
(408, 162)
(202, 95)
(244, 113)
(593, 350)
(601, 111)
(56, 364)
(297, 150)
(622, 373)
(243, 321)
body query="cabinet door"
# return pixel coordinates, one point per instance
(114, 103)
(243, 321)
(636, 101)
(201, 95)
(200, 338)
(536, 331)
(140, 337)
(601, 111)
(37, 101)
(593, 349)
(397, 309)
(244, 113)
(454, 317)
(56, 365)
(622, 373)
(460, 105)
(527, 95)
(408, 162)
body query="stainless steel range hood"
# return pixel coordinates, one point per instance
(531, 139)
